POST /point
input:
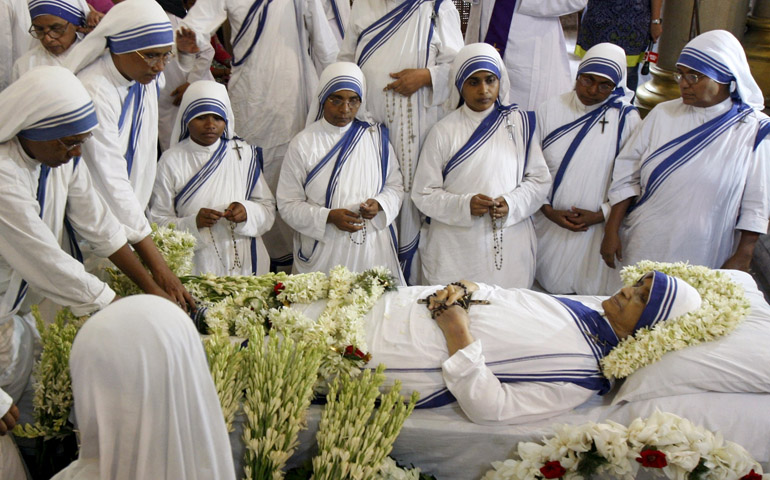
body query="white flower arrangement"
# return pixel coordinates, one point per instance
(226, 365)
(279, 388)
(52, 402)
(664, 443)
(723, 307)
(353, 438)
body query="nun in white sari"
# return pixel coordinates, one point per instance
(145, 403)
(695, 178)
(192, 176)
(73, 13)
(488, 152)
(580, 143)
(331, 167)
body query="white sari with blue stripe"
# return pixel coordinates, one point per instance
(580, 153)
(535, 357)
(465, 154)
(387, 36)
(329, 167)
(191, 177)
(699, 176)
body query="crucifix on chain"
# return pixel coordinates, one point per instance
(238, 149)
(604, 122)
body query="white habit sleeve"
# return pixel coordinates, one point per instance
(391, 196)
(161, 209)
(428, 192)
(108, 168)
(260, 211)
(528, 196)
(755, 205)
(91, 217)
(447, 41)
(31, 249)
(301, 215)
(487, 401)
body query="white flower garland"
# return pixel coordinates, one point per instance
(663, 442)
(724, 306)
(235, 304)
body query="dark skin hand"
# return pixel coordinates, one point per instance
(575, 220)
(482, 204)
(236, 213)
(409, 81)
(345, 220)
(9, 420)
(611, 248)
(741, 259)
(185, 41)
(207, 217)
(369, 208)
(179, 92)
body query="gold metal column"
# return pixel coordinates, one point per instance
(756, 43)
(727, 15)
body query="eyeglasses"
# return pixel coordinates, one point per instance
(603, 87)
(354, 102)
(53, 32)
(72, 146)
(689, 78)
(154, 60)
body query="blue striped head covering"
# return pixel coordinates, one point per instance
(201, 98)
(471, 59)
(73, 11)
(720, 56)
(46, 103)
(669, 297)
(606, 60)
(129, 26)
(609, 61)
(336, 77)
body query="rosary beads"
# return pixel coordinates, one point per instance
(236, 257)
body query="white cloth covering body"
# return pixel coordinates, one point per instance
(303, 206)
(145, 403)
(175, 76)
(228, 184)
(14, 38)
(126, 195)
(535, 55)
(408, 119)
(696, 213)
(570, 262)
(30, 251)
(517, 324)
(458, 245)
(272, 90)
(332, 8)
(36, 56)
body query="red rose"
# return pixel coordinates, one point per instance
(652, 458)
(552, 470)
(351, 351)
(278, 288)
(752, 475)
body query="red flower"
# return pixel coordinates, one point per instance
(752, 475)
(351, 351)
(552, 470)
(278, 288)
(652, 458)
